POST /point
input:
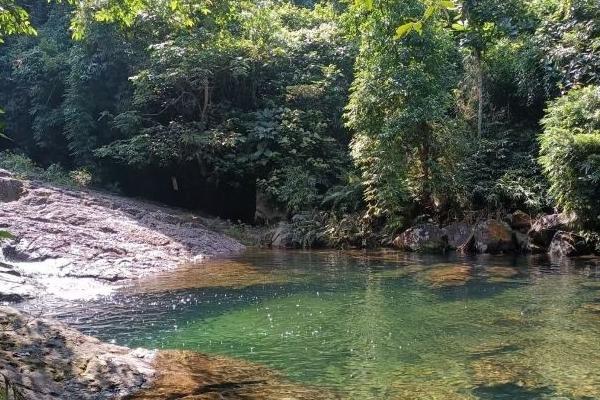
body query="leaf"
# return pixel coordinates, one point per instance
(459, 27)
(418, 26)
(366, 4)
(404, 30)
(447, 4)
(429, 12)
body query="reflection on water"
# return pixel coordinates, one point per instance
(380, 325)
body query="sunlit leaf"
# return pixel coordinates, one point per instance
(404, 30)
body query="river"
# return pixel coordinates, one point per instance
(373, 325)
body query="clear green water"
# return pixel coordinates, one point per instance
(385, 325)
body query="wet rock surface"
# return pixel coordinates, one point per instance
(46, 360)
(92, 238)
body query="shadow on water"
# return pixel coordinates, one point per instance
(512, 391)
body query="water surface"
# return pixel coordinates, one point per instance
(377, 325)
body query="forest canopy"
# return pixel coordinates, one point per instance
(359, 117)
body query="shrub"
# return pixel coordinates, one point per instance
(23, 167)
(570, 153)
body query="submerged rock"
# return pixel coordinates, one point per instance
(493, 372)
(493, 236)
(592, 307)
(189, 375)
(447, 275)
(422, 238)
(502, 272)
(212, 273)
(568, 244)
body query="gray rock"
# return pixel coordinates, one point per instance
(44, 359)
(568, 244)
(458, 233)
(543, 228)
(493, 236)
(422, 238)
(519, 221)
(10, 189)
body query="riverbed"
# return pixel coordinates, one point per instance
(372, 325)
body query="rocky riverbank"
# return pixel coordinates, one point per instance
(81, 243)
(46, 360)
(515, 233)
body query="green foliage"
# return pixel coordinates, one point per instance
(239, 110)
(569, 40)
(501, 173)
(570, 153)
(399, 107)
(23, 167)
(14, 20)
(358, 117)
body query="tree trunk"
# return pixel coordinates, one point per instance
(424, 156)
(479, 92)
(206, 100)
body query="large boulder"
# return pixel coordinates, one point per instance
(10, 189)
(543, 229)
(493, 236)
(568, 244)
(519, 221)
(422, 238)
(458, 234)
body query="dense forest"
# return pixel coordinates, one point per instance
(352, 119)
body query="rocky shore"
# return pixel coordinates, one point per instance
(81, 243)
(515, 233)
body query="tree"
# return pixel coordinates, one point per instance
(399, 106)
(570, 153)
